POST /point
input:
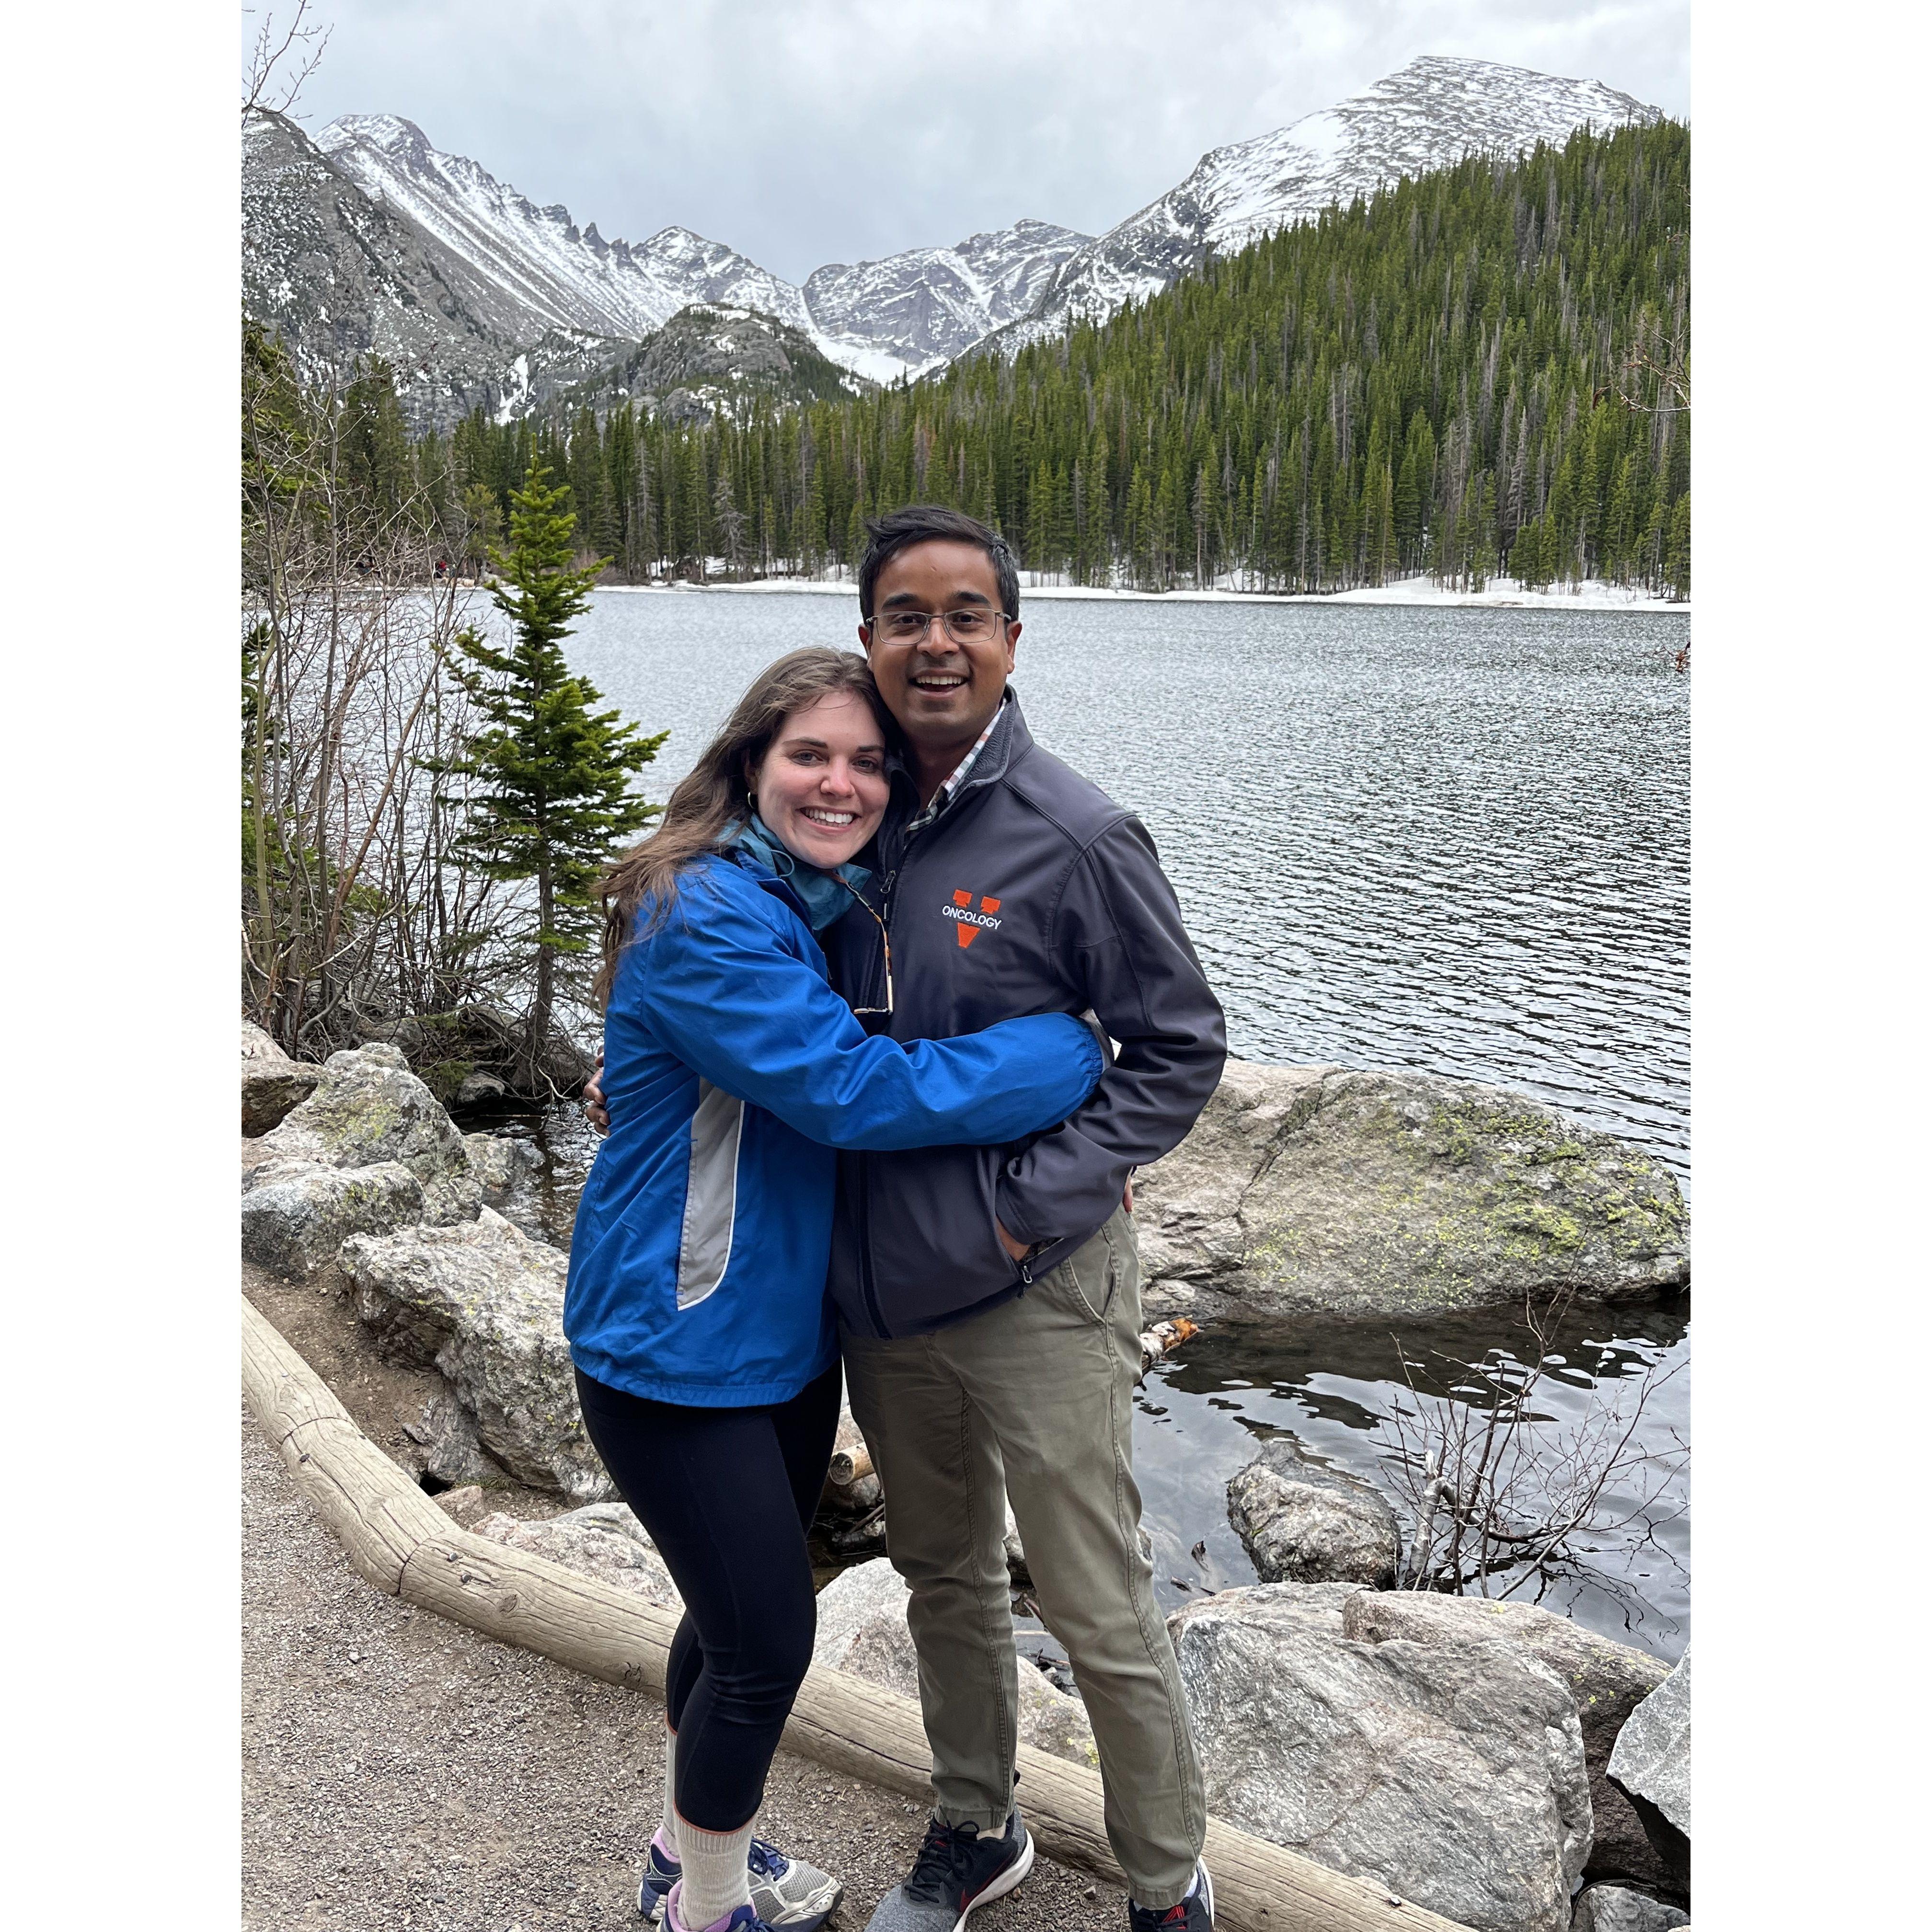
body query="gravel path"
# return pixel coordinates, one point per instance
(401, 1771)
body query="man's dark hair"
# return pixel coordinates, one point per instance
(927, 523)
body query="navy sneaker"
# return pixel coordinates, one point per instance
(1195, 1913)
(959, 1868)
(789, 1894)
(744, 1919)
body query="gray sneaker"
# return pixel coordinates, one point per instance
(959, 1869)
(788, 1894)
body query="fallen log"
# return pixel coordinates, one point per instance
(849, 1466)
(1164, 1337)
(403, 1542)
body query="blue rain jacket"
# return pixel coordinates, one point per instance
(732, 1072)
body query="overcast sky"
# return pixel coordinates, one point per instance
(807, 131)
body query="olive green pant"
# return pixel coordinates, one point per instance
(1034, 1399)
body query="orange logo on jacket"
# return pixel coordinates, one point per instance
(971, 924)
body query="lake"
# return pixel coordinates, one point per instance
(1451, 839)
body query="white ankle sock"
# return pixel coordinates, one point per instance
(668, 1831)
(715, 1882)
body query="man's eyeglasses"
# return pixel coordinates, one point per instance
(971, 626)
(873, 1018)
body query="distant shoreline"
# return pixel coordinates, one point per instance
(1505, 594)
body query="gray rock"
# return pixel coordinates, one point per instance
(1651, 1761)
(295, 1214)
(272, 1090)
(1613, 1908)
(1302, 1521)
(257, 1045)
(604, 1540)
(447, 1436)
(493, 1162)
(862, 1630)
(369, 1108)
(1314, 1187)
(1016, 1555)
(445, 1202)
(476, 1088)
(1454, 1775)
(484, 1303)
(1606, 1681)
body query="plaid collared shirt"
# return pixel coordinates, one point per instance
(944, 796)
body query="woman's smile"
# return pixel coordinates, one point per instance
(822, 787)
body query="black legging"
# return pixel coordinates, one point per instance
(727, 1495)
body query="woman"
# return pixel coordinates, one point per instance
(705, 1352)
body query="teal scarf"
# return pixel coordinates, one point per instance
(824, 898)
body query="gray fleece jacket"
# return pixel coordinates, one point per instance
(1031, 893)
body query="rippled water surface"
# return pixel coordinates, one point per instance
(1455, 840)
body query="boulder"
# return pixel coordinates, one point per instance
(1302, 1521)
(257, 1045)
(295, 1214)
(1016, 1555)
(1606, 1681)
(1614, 1908)
(495, 1161)
(454, 1198)
(476, 1089)
(484, 1303)
(1650, 1766)
(272, 1090)
(604, 1540)
(368, 1107)
(862, 1630)
(1452, 1775)
(447, 1437)
(465, 1503)
(1394, 1193)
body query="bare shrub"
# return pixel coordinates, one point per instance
(1498, 1490)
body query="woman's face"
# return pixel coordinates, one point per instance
(822, 785)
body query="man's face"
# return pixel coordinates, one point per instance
(941, 690)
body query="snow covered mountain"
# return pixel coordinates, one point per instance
(526, 268)
(522, 268)
(369, 238)
(927, 305)
(1429, 115)
(338, 276)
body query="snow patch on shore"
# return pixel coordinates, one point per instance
(1501, 593)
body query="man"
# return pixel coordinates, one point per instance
(989, 1298)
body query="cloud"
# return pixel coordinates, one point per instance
(806, 131)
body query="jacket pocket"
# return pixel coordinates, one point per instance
(935, 1243)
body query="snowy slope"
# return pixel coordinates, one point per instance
(337, 277)
(522, 268)
(924, 306)
(371, 238)
(527, 268)
(1429, 115)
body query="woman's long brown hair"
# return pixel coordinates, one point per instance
(710, 803)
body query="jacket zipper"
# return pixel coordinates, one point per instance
(868, 1280)
(871, 1301)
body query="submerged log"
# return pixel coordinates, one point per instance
(406, 1545)
(1164, 1337)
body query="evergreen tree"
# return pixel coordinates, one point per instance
(553, 800)
(1677, 549)
(1464, 334)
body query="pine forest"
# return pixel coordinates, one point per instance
(1482, 370)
